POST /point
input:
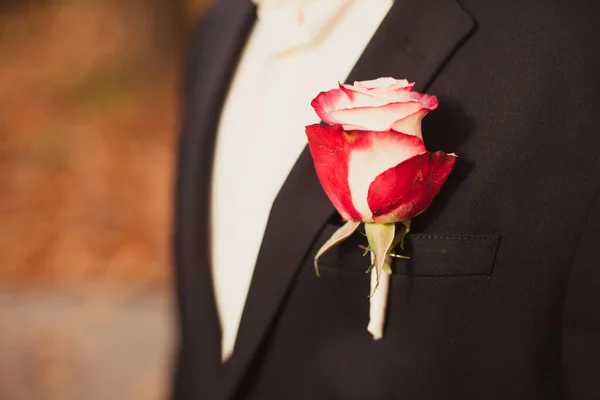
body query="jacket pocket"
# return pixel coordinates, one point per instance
(430, 254)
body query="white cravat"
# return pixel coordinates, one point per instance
(297, 48)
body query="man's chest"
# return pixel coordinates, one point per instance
(260, 136)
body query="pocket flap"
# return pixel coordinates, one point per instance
(448, 255)
(430, 255)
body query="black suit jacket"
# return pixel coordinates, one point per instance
(501, 296)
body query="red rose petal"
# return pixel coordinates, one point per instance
(411, 125)
(378, 152)
(375, 118)
(406, 190)
(429, 102)
(327, 102)
(330, 148)
(358, 98)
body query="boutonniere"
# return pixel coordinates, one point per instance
(370, 158)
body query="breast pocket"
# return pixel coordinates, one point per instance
(430, 255)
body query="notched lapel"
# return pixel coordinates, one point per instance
(414, 41)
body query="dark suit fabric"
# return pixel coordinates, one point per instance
(501, 296)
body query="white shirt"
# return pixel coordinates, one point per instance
(296, 49)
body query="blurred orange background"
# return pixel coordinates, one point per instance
(89, 116)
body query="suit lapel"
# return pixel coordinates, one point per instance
(414, 41)
(220, 40)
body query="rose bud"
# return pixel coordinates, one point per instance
(371, 159)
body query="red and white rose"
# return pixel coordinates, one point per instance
(370, 156)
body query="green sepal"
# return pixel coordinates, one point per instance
(381, 239)
(374, 289)
(405, 229)
(338, 236)
(387, 268)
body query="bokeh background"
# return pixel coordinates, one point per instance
(89, 117)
